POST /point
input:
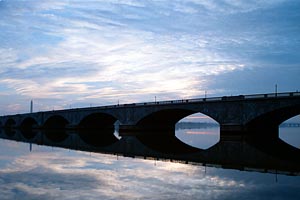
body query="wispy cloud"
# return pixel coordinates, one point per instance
(103, 50)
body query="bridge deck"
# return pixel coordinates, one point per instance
(193, 100)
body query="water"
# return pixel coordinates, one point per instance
(201, 138)
(55, 173)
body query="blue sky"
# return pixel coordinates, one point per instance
(72, 53)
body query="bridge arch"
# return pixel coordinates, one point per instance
(157, 131)
(27, 126)
(54, 128)
(55, 122)
(268, 123)
(163, 120)
(97, 129)
(289, 131)
(8, 126)
(28, 123)
(97, 121)
(10, 123)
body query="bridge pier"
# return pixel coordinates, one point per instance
(232, 132)
(134, 130)
(237, 132)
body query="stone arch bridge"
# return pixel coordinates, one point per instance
(242, 115)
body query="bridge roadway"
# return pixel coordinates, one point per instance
(243, 115)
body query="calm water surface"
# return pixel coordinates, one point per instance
(54, 173)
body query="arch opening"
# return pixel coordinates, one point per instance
(263, 133)
(56, 122)
(10, 123)
(98, 129)
(8, 127)
(55, 128)
(97, 121)
(198, 130)
(163, 120)
(157, 131)
(266, 126)
(289, 131)
(27, 127)
(55, 136)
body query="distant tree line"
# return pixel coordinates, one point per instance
(290, 125)
(200, 125)
(195, 125)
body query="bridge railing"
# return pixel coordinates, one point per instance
(195, 100)
(272, 95)
(211, 99)
(224, 98)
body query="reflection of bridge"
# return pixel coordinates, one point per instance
(240, 115)
(270, 156)
(248, 130)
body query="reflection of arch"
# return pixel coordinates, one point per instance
(55, 128)
(98, 138)
(28, 134)
(28, 123)
(56, 136)
(56, 122)
(27, 126)
(98, 129)
(10, 132)
(10, 123)
(165, 143)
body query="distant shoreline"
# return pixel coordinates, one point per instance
(203, 125)
(195, 125)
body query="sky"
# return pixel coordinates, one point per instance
(74, 53)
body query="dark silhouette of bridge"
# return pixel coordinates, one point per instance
(241, 115)
(249, 126)
(267, 156)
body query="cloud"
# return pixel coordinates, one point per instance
(234, 6)
(86, 52)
